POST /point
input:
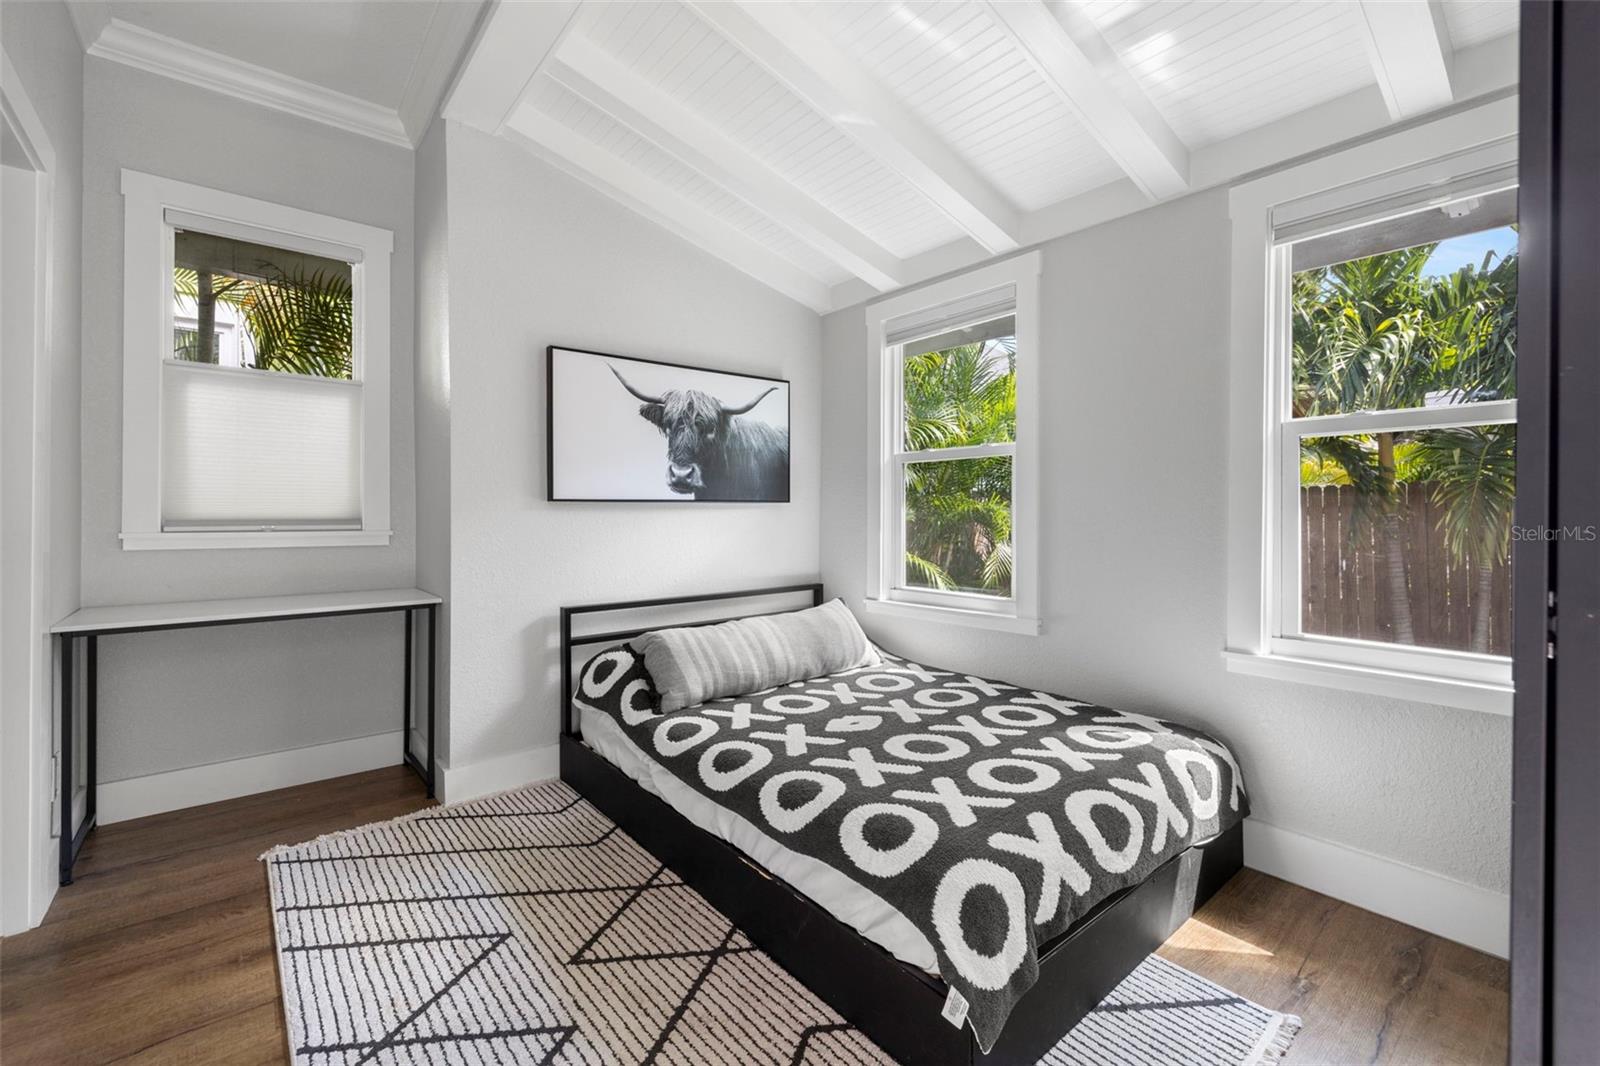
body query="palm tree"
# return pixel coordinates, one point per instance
(958, 513)
(300, 320)
(1473, 472)
(1360, 344)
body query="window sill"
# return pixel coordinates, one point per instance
(284, 538)
(1482, 696)
(1003, 623)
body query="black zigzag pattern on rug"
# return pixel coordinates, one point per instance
(526, 928)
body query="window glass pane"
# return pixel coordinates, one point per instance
(260, 307)
(1406, 537)
(962, 394)
(1418, 311)
(958, 525)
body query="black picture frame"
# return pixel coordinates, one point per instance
(551, 400)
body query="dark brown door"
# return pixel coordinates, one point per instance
(1555, 927)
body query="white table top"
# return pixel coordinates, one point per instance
(254, 608)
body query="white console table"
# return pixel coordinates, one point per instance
(90, 623)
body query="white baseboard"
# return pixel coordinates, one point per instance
(1468, 914)
(520, 768)
(194, 785)
(1455, 910)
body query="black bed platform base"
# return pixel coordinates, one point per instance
(897, 1005)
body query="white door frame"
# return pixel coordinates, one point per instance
(27, 847)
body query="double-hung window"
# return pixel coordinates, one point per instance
(256, 373)
(1390, 312)
(953, 383)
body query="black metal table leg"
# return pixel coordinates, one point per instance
(72, 838)
(65, 763)
(405, 714)
(91, 732)
(433, 687)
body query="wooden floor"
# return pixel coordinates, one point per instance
(161, 951)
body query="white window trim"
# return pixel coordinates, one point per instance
(1020, 613)
(147, 332)
(1259, 642)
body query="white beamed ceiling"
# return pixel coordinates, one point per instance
(868, 145)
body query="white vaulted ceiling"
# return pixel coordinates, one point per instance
(835, 149)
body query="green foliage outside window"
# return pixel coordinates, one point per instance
(958, 511)
(1377, 333)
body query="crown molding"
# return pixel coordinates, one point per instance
(89, 18)
(133, 46)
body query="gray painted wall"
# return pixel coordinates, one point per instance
(1133, 583)
(41, 42)
(433, 399)
(253, 689)
(537, 259)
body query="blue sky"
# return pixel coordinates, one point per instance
(1457, 252)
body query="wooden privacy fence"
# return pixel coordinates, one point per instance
(1344, 588)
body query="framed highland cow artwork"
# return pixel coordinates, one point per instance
(634, 430)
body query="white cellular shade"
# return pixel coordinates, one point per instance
(976, 333)
(239, 231)
(251, 449)
(947, 317)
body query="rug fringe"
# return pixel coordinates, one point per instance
(1274, 1043)
(340, 834)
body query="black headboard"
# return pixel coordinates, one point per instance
(569, 642)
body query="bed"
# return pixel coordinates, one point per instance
(835, 904)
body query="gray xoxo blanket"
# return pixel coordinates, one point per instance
(991, 816)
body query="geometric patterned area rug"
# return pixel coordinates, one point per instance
(527, 928)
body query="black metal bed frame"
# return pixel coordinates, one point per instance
(897, 1005)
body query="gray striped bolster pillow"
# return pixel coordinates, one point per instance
(699, 663)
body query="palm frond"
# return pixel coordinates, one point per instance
(1473, 475)
(931, 574)
(997, 567)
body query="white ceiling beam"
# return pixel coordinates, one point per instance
(1065, 47)
(1409, 46)
(513, 42)
(570, 151)
(449, 27)
(642, 106)
(783, 40)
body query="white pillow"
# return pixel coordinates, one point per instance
(699, 663)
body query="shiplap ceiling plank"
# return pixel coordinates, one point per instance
(582, 157)
(782, 41)
(1216, 70)
(637, 103)
(1409, 44)
(1064, 46)
(691, 62)
(1475, 21)
(958, 70)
